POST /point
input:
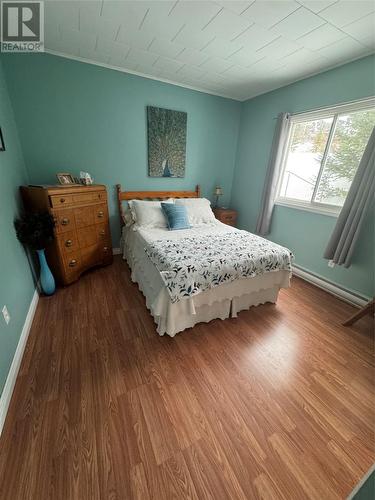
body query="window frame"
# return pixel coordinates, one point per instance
(329, 112)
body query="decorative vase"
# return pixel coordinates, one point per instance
(47, 280)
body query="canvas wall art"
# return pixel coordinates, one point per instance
(166, 142)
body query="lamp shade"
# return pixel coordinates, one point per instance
(218, 191)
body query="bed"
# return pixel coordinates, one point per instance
(199, 274)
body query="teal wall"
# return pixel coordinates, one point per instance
(16, 284)
(306, 234)
(73, 116)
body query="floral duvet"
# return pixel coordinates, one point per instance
(191, 265)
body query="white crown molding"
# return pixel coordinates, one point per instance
(10, 382)
(200, 89)
(136, 73)
(342, 293)
(309, 75)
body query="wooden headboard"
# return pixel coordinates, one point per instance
(152, 195)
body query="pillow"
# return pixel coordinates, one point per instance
(149, 213)
(127, 217)
(177, 216)
(199, 210)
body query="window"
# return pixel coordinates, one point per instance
(322, 155)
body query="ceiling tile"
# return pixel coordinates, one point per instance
(127, 13)
(297, 24)
(193, 14)
(256, 37)
(94, 55)
(216, 64)
(280, 47)
(117, 61)
(221, 48)
(317, 5)
(192, 72)
(165, 48)
(110, 48)
(342, 50)
(269, 13)
(245, 47)
(245, 57)
(65, 46)
(302, 57)
(192, 56)
(142, 57)
(157, 22)
(321, 37)
(235, 6)
(148, 70)
(193, 39)
(347, 11)
(80, 39)
(226, 25)
(65, 13)
(167, 64)
(95, 23)
(362, 30)
(134, 37)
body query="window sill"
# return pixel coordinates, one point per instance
(309, 208)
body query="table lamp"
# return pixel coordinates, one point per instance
(218, 192)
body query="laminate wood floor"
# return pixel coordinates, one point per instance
(276, 404)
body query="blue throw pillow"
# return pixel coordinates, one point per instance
(176, 215)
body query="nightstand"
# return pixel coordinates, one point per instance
(226, 215)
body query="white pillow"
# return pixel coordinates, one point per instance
(149, 213)
(198, 209)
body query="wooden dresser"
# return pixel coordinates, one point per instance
(226, 215)
(83, 238)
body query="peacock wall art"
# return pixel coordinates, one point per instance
(166, 142)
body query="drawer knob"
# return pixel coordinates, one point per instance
(105, 249)
(72, 263)
(62, 200)
(102, 232)
(68, 243)
(100, 214)
(65, 222)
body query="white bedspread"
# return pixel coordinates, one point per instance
(219, 302)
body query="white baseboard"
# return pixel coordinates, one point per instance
(116, 251)
(6, 395)
(342, 293)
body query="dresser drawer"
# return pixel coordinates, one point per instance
(102, 232)
(78, 199)
(87, 236)
(72, 262)
(85, 216)
(68, 242)
(61, 200)
(101, 213)
(89, 197)
(90, 256)
(64, 220)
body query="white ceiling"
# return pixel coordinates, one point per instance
(237, 49)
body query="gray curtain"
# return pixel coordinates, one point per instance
(341, 245)
(273, 173)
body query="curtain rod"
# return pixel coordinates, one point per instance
(340, 104)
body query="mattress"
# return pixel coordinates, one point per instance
(223, 301)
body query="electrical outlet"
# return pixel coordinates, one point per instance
(331, 263)
(6, 314)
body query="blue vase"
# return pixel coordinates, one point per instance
(47, 280)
